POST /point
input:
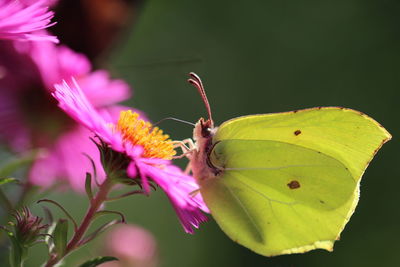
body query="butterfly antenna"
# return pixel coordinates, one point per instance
(196, 81)
(174, 119)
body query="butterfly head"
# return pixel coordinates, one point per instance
(207, 128)
(204, 129)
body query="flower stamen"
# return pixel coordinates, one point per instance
(155, 143)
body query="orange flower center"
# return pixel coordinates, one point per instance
(155, 143)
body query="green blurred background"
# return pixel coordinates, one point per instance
(261, 57)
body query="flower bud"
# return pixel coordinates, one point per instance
(28, 227)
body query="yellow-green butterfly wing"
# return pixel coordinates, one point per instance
(289, 182)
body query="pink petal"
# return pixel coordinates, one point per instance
(56, 63)
(102, 91)
(178, 188)
(25, 22)
(73, 101)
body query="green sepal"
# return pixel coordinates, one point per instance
(60, 237)
(93, 167)
(114, 163)
(88, 186)
(97, 261)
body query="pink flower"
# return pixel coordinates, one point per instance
(132, 245)
(66, 159)
(30, 118)
(148, 149)
(22, 21)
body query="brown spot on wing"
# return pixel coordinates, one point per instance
(297, 132)
(293, 184)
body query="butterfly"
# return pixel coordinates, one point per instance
(283, 183)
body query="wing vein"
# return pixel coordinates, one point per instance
(264, 196)
(248, 214)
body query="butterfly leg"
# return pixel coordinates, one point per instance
(188, 168)
(186, 145)
(189, 143)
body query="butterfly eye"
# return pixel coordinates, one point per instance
(206, 132)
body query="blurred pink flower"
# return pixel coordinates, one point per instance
(147, 148)
(26, 20)
(49, 3)
(132, 245)
(30, 118)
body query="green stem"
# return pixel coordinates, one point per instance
(95, 204)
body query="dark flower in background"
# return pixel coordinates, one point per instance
(92, 27)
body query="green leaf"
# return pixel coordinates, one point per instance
(5, 202)
(48, 238)
(88, 186)
(8, 205)
(97, 261)
(17, 254)
(60, 236)
(16, 164)
(4, 181)
(8, 232)
(48, 215)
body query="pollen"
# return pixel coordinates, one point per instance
(155, 143)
